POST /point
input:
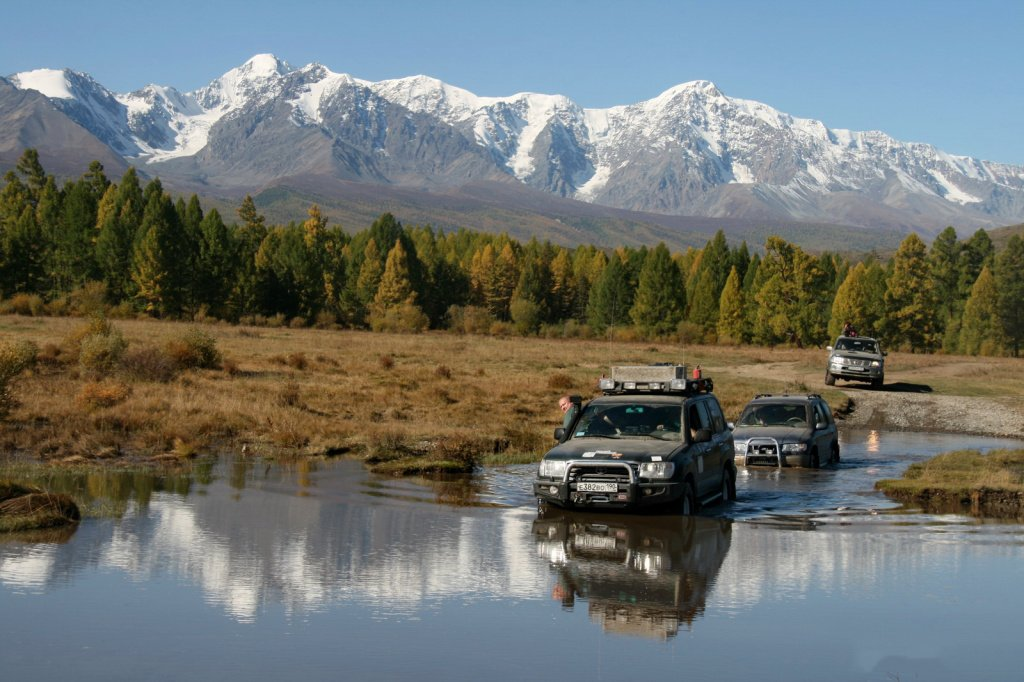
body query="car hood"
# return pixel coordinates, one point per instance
(783, 434)
(622, 449)
(856, 354)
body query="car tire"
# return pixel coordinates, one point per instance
(728, 486)
(829, 379)
(835, 453)
(688, 505)
(878, 383)
(815, 462)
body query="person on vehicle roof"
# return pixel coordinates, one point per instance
(849, 329)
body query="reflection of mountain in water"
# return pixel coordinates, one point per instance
(270, 542)
(640, 575)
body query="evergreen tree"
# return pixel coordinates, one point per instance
(21, 269)
(29, 167)
(216, 264)
(910, 304)
(943, 266)
(157, 259)
(535, 285)
(368, 279)
(981, 332)
(660, 300)
(852, 303)
(975, 253)
(611, 298)
(563, 286)
(731, 319)
(248, 238)
(1009, 274)
(705, 302)
(395, 288)
(792, 304)
(73, 259)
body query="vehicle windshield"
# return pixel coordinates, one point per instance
(775, 415)
(859, 345)
(626, 420)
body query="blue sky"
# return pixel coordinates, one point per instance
(944, 72)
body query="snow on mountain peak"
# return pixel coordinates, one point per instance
(255, 80)
(50, 82)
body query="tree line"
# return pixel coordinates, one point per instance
(147, 253)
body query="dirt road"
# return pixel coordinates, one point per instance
(902, 406)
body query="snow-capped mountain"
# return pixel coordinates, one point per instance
(690, 151)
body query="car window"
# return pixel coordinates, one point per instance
(717, 418)
(827, 411)
(819, 418)
(775, 414)
(697, 417)
(624, 420)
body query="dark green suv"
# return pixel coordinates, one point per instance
(786, 430)
(654, 438)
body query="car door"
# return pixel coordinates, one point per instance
(824, 437)
(697, 419)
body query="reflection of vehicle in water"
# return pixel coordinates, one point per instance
(640, 575)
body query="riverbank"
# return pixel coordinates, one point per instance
(282, 392)
(966, 481)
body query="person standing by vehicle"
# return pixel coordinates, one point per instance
(570, 407)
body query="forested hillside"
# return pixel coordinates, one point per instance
(130, 249)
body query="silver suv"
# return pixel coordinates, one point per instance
(856, 358)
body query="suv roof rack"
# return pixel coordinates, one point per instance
(787, 395)
(660, 378)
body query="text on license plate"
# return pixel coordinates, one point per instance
(597, 487)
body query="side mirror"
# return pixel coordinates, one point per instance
(559, 434)
(730, 426)
(884, 353)
(820, 425)
(828, 348)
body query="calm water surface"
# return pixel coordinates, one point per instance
(321, 572)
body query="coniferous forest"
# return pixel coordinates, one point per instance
(131, 249)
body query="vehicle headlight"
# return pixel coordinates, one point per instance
(657, 469)
(552, 468)
(876, 363)
(740, 447)
(794, 447)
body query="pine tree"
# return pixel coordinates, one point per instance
(975, 253)
(704, 305)
(563, 286)
(1009, 274)
(611, 297)
(31, 169)
(157, 259)
(910, 305)
(395, 288)
(74, 260)
(660, 300)
(981, 332)
(943, 262)
(216, 264)
(731, 319)
(21, 270)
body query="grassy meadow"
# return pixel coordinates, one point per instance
(284, 392)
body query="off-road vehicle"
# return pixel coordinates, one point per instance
(655, 437)
(786, 430)
(856, 358)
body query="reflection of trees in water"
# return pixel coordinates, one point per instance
(640, 575)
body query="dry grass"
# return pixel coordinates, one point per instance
(301, 391)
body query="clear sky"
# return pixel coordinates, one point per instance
(945, 72)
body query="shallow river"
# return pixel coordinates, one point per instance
(321, 572)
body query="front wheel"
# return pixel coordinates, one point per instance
(829, 379)
(835, 453)
(689, 505)
(815, 462)
(728, 486)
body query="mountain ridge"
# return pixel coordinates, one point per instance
(689, 151)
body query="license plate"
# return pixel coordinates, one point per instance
(597, 487)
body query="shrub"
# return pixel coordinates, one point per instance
(406, 317)
(14, 359)
(148, 364)
(97, 394)
(101, 353)
(689, 333)
(195, 349)
(561, 382)
(297, 322)
(443, 372)
(387, 361)
(469, 319)
(24, 304)
(325, 319)
(289, 395)
(89, 299)
(298, 361)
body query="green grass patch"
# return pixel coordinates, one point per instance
(989, 484)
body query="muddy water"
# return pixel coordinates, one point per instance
(255, 571)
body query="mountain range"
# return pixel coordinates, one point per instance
(689, 160)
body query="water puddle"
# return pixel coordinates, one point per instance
(317, 569)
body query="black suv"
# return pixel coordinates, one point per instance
(654, 438)
(786, 430)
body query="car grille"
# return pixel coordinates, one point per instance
(599, 473)
(857, 362)
(763, 452)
